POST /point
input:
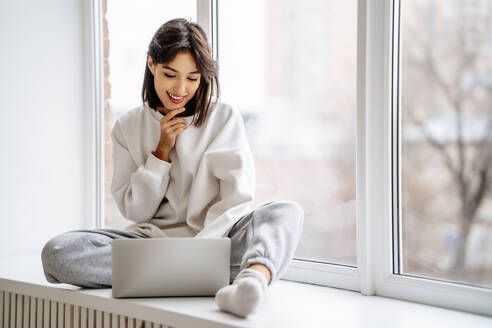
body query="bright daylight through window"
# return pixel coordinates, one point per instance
(291, 72)
(447, 140)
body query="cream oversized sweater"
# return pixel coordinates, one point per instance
(207, 186)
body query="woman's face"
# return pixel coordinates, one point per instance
(175, 82)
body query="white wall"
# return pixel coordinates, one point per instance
(45, 115)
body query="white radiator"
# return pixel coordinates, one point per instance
(17, 310)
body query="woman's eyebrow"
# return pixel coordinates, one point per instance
(172, 69)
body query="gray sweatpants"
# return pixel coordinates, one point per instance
(268, 235)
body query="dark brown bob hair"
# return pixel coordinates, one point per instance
(180, 35)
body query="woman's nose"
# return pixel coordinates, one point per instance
(180, 88)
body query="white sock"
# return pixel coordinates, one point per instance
(245, 294)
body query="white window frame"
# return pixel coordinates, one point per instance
(97, 100)
(207, 16)
(377, 121)
(382, 122)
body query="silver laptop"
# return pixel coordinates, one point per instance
(158, 267)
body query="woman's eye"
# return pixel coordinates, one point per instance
(169, 75)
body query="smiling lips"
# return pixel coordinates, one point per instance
(175, 99)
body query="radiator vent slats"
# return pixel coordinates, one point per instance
(24, 311)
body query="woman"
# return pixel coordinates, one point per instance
(183, 168)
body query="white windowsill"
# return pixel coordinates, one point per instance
(287, 304)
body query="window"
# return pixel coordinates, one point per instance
(292, 74)
(447, 140)
(416, 111)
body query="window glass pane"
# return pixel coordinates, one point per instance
(290, 68)
(447, 140)
(130, 27)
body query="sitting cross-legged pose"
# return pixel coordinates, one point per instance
(183, 167)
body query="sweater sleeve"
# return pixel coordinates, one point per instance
(230, 161)
(235, 172)
(137, 191)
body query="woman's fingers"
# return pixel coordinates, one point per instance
(177, 128)
(169, 116)
(173, 126)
